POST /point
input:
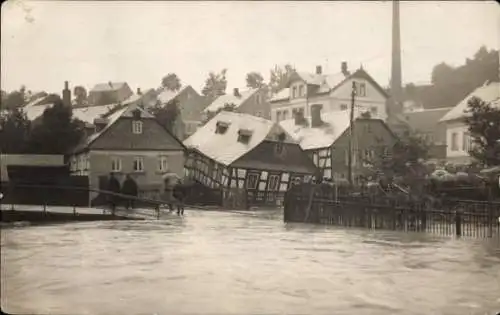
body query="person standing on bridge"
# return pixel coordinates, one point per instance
(130, 188)
(113, 187)
(180, 196)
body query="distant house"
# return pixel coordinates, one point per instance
(426, 124)
(250, 101)
(191, 105)
(458, 139)
(331, 91)
(108, 93)
(325, 137)
(235, 151)
(129, 141)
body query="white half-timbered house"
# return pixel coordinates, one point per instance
(249, 156)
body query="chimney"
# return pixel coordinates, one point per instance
(396, 76)
(316, 115)
(343, 68)
(236, 92)
(66, 95)
(318, 70)
(139, 91)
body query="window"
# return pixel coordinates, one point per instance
(137, 127)
(138, 164)
(252, 180)
(454, 141)
(162, 164)
(301, 90)
(243, 138)
(343, 106)
(466, 142)
(278, 116)
(273, 183)
(294, 92)
(362, 89)
(116, 164)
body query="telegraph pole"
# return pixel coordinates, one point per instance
(351, 136)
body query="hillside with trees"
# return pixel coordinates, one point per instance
(452, 84)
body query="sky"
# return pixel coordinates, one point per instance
(45, 43)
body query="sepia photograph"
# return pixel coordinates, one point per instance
(250, 157)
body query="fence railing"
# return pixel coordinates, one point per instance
(462, 218)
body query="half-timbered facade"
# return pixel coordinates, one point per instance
(252, 159)
(325, 137)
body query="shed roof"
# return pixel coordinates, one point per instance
(425, 120)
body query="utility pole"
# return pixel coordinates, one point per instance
(351, 136)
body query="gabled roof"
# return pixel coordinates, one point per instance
(219, 102)
(225, 148)
(425, 120)
(167, 95)
(326, 82)
(106, 87)
(489, 92)
(335, 123)
(126, 111)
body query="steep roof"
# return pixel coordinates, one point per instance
(335, 123)
(111, 86)
(127, 111)
(167, 95)
(219, 102)
(489, 92)
(327, 82)
(224, 148)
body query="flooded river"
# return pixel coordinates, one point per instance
(227, 263)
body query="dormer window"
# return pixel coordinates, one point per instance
(221, 127)
(294, 92)
(137, 127)
(244, 136)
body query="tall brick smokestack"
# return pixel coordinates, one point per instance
(66, 95)
(396, 75)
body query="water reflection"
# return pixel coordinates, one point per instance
(227, 263)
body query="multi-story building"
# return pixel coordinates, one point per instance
(129, 140)
(191, 105)
(326, 136)
(458, 139)
(108, 93)
(332, 92)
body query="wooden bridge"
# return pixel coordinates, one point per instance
(461, 218)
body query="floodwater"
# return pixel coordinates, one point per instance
(228, 263)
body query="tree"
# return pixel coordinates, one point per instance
(255, 80)
(229, 107)
(279, 77)
(215, 85)
(483, 123)
(441, 74)
(57, 132)
(14, 131)
(167, 114)
(171, 82)
(14, 100)
(80, 95)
